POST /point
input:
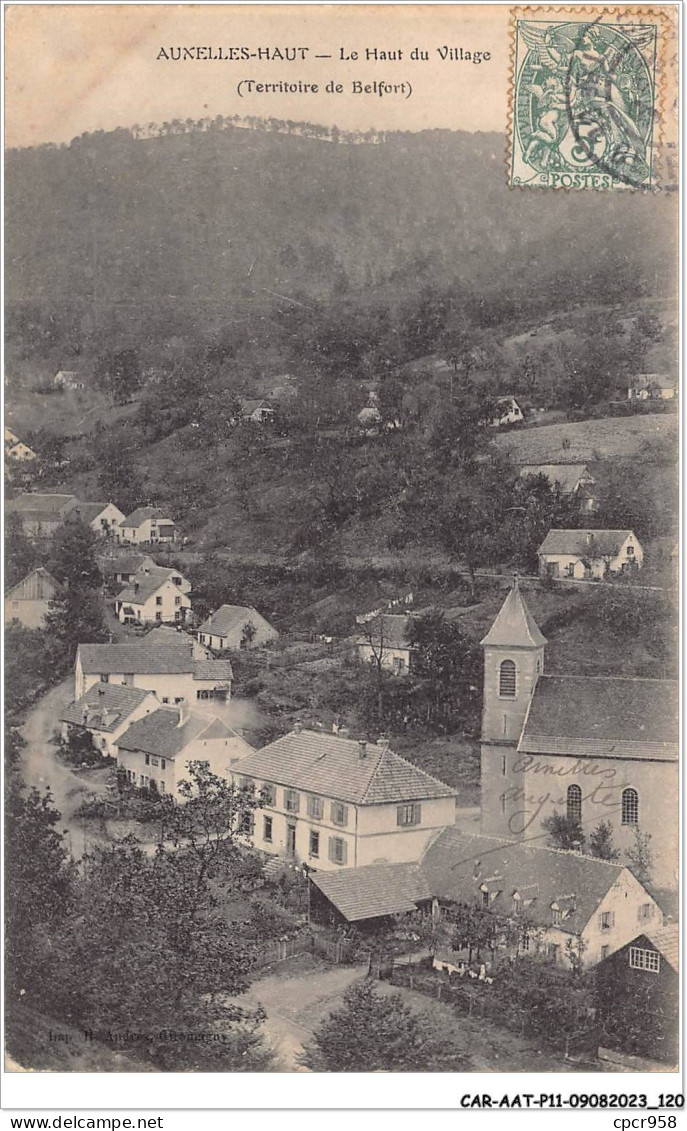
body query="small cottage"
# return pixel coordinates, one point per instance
(588, 554)
(508, 412)
(105, 712)
(638, 993)
(146, 525)
(569, 478)
(155, 594)
(235, 626)
(384, 643)
(29, 600)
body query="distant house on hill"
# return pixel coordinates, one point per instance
(155, 751)
(41, 514)
(29, 600)
(384, 642)
(589, 553)
(10, 437)
(103, 518)
(146, 525)
(154, 594)
(570, 478)
(16, 450)
(105, 712)
(509, 412)
(68, 379)
(235, 626)
(257, 411)
(652, 386)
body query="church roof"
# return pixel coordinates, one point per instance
(515, 627)
(601, 716)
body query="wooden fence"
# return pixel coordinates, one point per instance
(333, 949)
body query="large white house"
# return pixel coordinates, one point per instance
(333, 802)
(155, 594)
(103, 518)
(589, 553)
(146, 525)
(105, 711)
(171, 668)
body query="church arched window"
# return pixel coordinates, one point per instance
(507, 679)
(574, 803)
(630, 801)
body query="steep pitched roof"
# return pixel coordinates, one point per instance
(139, 516)
(590, 544)
(162, 733)
(332, 766)
(228, 617)
(374, 890)
(667, 940)
(515, 627)
(455, 865)
(567, 475)
(602, 716)
(124, 563)
(42, 572)
(112, 700)
(386, 631)
(146, 583)
(48, 505)
(86, 511)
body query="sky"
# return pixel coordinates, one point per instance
(77, 68)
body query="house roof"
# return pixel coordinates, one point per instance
(141, 514)
(87, 511)
(213, 669)
(146, 583)
(125, 563)
(42, 572)
(515, 627)
(228, 617)
(667, 940)
(387, 631)
(49, 505)
(566, 475)
(169, 657)
(332, 766)
(115, 700)
(374, 890)
(456, 865)
(659, 380)
(590, 544)
(252, 405)
(162, 732)
(601, 716)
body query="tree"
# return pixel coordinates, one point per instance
(446, 674)
(118, 478)
(76, 614)
(564, 831)
(641, 857)
(119, 373)
(21, 556)
(73, 556)
(375, 1032)
(601, 842)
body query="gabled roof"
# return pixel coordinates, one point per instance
(115, 700)
(603, 716)
(374, 890)
(146, 583)
(141, 514)
(659, 380)
(87, 511)
(566, 475)
(162, 733)
(160, 657)
(228, 617)
(124, 563)
(386, 631)
(589, 544)
(330, 766)
(667, 941)
(515, 627)
(42, 572)
(213, 669)
(53, 505)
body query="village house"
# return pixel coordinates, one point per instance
(119, 568)
(638, 994)
(172, 668)
(155, 594)
(29, 600)
(566, 903)
(570, 479)
(19, 452)
(509, 412)
(235, 626)
(68, 379)
(594, 748)
(40, 514)
(10, 437)
(331, 801)
(146, 525)
(105, 712)
(384, 643)
(257, 411)
(652, 386)
(155, 751)
(587, 554)
(103, 518)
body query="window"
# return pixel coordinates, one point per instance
(646, 912)
(104, 678)
(165, 699)
(645, 959)
(163, 764)
(526, 944)
(177, 600)
(408, 814)
(630, 551)
(202, 695)
(399, 664)
(339, 813)
(158, 600)
(158, 616)
(574, 803)
(314, 847)
(630, 800)
(604, 951)
(144, 781)
(315, 808)
(269, 793)
(552, 950)
(103, 744)
(155, 761)
(516, 904)
(267, 829)
(606, 920)
(147, 759)
(247, 824)
(485, 897)
(176, 580)
(128, 678)
(291, 801)
(507, 679)
(337, 850)
(556, 915)
(571, 569)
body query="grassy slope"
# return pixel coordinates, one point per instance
(591, 439)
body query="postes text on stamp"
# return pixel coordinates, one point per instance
(584, 98)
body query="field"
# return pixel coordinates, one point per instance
(588, 440)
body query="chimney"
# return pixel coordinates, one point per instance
(344, 732)
(182, 708)
(136, 586)
(297, 728)
(383, 742)
(589, 537)
(362, 748)
(101, 691)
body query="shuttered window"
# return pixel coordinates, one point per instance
(338, 850)
(339, 813)
(315, 808)
(507, 679)
(408, 814)
(291, 800)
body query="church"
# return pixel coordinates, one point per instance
(597, 748)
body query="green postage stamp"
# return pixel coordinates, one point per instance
(585, 96)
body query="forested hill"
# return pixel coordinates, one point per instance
(118, 239)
